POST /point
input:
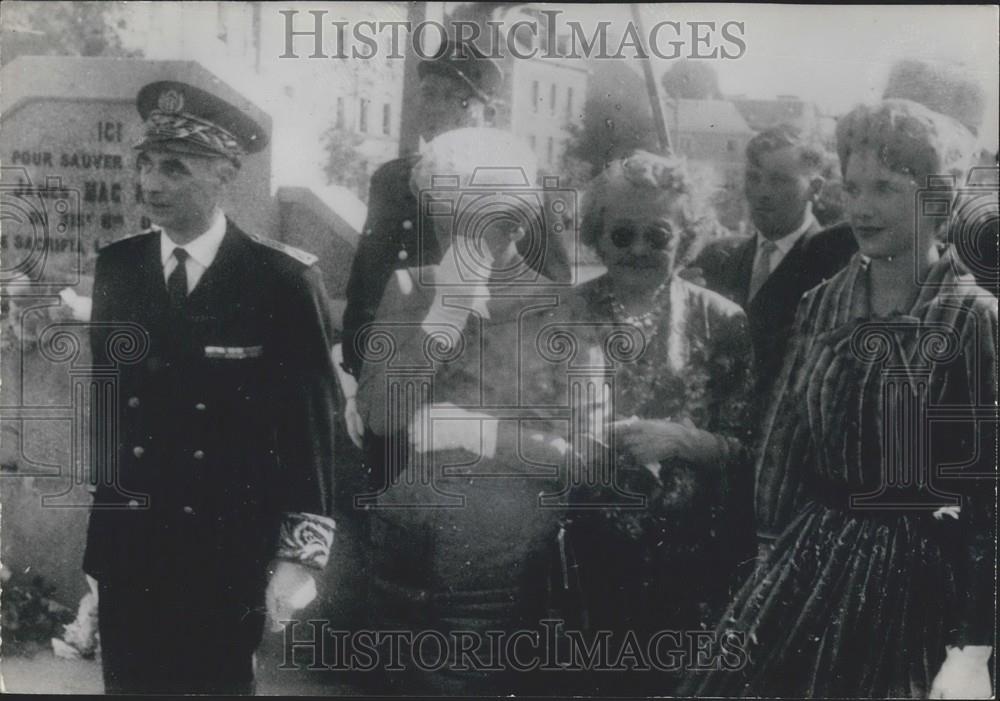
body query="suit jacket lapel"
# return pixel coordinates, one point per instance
(156, 283)
(225, 260)
(793, 265)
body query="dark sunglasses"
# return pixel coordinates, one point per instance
(657, 235)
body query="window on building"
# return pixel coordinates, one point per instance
(340, 113)
(531, 141)
(363, 115)
(387, 119)
(552, 99)
(534, 95)
(569, 103)
(731, 146)
(550, 150)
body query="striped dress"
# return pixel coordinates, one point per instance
(878, 422)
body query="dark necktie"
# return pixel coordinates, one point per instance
(177, 283)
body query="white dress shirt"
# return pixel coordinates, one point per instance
(201, 251)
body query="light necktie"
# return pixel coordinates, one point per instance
(762, 267)
(177, 283)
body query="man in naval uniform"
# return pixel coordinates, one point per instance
(457, 89)
(213, 498)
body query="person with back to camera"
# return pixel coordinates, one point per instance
(481, 432)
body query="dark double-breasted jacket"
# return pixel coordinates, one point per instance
(214, 454)
(391, 240)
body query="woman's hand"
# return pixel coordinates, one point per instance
(655, 440)
(349, 386)
(964, 674)
(355, 424)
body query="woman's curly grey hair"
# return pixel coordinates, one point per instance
(664, 178)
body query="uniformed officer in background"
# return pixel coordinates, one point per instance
(456, 90)
(214, 504)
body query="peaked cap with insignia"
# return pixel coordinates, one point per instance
(182, 118)
(467, 64)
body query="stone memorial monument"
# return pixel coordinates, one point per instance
(68, 182)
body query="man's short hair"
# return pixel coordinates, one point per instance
(810, 151)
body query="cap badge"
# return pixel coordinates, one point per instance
(170, 101)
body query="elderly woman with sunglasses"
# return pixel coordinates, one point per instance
(659, 545)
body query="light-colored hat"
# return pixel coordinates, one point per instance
(489, 169)
(474, 157)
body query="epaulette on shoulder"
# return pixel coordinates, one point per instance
(130, 237)
(298, 254)
(147, 230)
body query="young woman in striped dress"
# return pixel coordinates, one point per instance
(883, 428)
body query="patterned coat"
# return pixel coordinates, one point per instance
(697, 520)
(463, 541)
(880, 421)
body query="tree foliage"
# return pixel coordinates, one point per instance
(691, 80)
(617, 117)
(346, 165)
(62, 29)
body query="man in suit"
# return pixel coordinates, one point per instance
(789, 251)
(213, 505)
(788, 254)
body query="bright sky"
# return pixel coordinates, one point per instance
(835, 56)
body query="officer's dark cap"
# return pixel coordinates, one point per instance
(180, 117)
(467, 64)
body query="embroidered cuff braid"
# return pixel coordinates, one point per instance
(306, 539)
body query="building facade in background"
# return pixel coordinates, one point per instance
(242, 43)
(761, 114)
(711, 134)
(543, 97)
